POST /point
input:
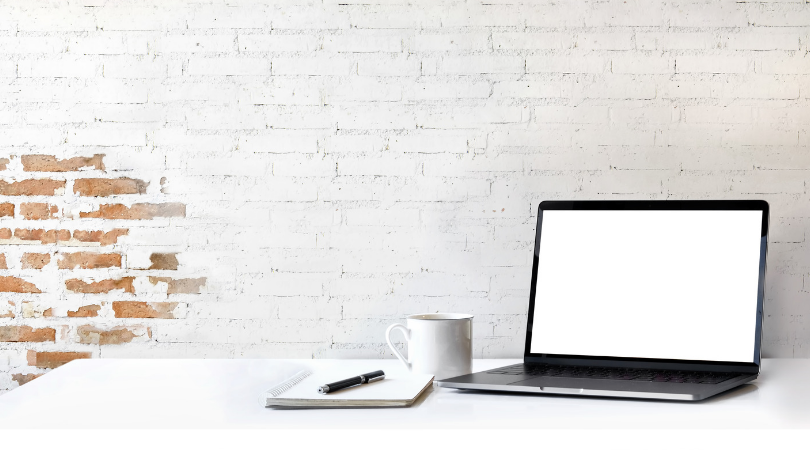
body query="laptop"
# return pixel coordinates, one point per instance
(641, 299)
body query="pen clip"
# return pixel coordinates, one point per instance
(376, 378)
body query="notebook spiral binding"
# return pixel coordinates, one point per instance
(295, 379)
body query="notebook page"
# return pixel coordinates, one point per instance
(397, 388)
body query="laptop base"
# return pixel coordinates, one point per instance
(593, 387)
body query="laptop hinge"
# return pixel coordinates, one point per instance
(634, 364)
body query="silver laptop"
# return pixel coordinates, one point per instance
(642, 299)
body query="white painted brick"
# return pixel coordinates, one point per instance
(375, 117)
(614, 136)
(712, 64)
(529, 138)
(715, 114)
(605, 41)
(635, 63)
(619, 87)
(568, 114)
(362, 43)
(297, 18)
(394, 17)
(470, 65)
(762, 88)
(627, 14)
(554, 15)
(363, 90)
(69, 19)
(582, 63)
(449, 42)
(229, 18)
(384, 166)
(726, 15)
(196, 44)
(30, 137)
(313, 66)
(123, 67)
(226, 118)
(293, 93)
(278, 143)
(760, 135)
(308, 168)
(762, 41)
(472, 117)
(59, 68)
(228, 66)
(435, 90)
(532, 41)
(32, 45)
(644, 116)
(396, 65)
(783, 64)
(677, 41)
(377, 217)
(483, 16)
(101, 45)
(529, 89)
(353, 144)
(106, 137)
(428, 143)
(8, 69)
(277, 43)
(139, 19)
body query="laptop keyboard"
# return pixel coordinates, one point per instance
(609, 373)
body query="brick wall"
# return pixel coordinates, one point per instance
(241, 178)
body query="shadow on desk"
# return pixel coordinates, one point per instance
(738, 391)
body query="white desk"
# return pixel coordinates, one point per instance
(223, 394)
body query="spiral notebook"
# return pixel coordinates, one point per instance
(301, 390)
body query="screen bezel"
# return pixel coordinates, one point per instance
(653, 205)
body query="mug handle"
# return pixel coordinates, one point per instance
(407, 333)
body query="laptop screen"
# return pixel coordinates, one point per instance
(648, 284)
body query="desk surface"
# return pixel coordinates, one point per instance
(107, 393)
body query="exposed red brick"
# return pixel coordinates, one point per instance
(3, 264)
(89, 260)
(110, 237)
(100, 287)
(48, 163)
(35, 260)
(31, 187)
(38, 211)
(43, 236)
(14, 284)
(89, 334)
(144, 310)
(47, 313)
(103, 187)
(163, 261)
(6, 209)
(85, 311)
(181, 285)
(138, 211)
(4, 163)
(5, 233)
(22, 378)
(24, 333)
(52, 360)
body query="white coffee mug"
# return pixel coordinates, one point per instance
(439, 344)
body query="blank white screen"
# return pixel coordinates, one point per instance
(648, 284)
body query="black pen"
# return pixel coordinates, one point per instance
(354, 381)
